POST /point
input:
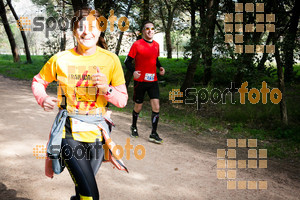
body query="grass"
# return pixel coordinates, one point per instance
(260, 121)
(20, 70)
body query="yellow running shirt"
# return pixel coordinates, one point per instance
(76, 92)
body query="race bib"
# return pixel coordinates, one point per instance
(86, 93)
(79, 126)
(149, 77)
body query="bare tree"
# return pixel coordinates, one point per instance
(27, 51)
(9, 33)
(167, 10)
(63, 41)
(208, 14)
(201, 38)
(189, 76)
(283, 108)
(290, 42)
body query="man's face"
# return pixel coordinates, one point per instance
(148, 31)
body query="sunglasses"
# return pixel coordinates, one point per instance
(147, 29)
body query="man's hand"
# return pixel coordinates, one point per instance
(161, 71)
(136, 74)
(49, 103)
(100, 81)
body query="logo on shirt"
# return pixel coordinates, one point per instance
(80, 77)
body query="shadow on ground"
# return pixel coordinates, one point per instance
(10, 194)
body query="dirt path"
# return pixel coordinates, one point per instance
(184, 167)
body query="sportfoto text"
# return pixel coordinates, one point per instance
(63, 23)
(215, 95)
(79, 151)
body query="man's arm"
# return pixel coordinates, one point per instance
(161, 69)
(158, 65)
(128, 64)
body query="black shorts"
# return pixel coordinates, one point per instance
(140, 89)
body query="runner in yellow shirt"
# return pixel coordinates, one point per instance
(88, 77)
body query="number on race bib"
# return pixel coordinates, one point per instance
(149, 77)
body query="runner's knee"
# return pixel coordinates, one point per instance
(155, 105)
(138, 107)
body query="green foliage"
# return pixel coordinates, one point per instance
(20, 70)
(51, 46)
(175, 69)
(255, 115)
(122, 59)
(297, 70)
(51, 7)
(223, 71)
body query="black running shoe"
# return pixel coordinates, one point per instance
(134, 132)
(154, 137)
(73, 198)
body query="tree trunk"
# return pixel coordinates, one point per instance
(167, 21)
(171, 10)
(121, 34)
(177, 50)
(27, 51)
(209, 24)
(283, 109)
(261, 65)
(146, 11)
(189, 76)
(9, 33)
(63, 42)
(289, 43)
(63, 38)
(168, 43)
